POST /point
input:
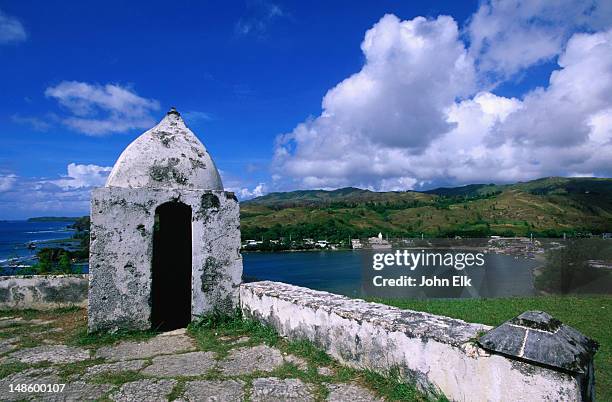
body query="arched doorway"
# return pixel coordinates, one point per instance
(171, 276)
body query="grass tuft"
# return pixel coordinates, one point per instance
(309, 351)
(77, 368)
(209, 329)
(393, 387)
(177, 391)
(117, 378)
(83, 338)
(7, 369)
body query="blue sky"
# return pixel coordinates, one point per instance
(289, 95)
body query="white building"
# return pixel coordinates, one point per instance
(165, 237)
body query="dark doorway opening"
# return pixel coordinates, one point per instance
(171, 282)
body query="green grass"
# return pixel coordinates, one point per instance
(177, 391)
(310, 352)
(209, 329)
(77, 368)
(393, 386)
(591, 315)
(97, 339)
(117, 378)
(28, 314)
(68, 318)
(7, 369)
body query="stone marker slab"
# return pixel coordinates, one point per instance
(38, 321)
(250, 359)
(297, 361)
(326, 371)
(179, 331)
(159, 345)
(54, 354)
(9, 322)
(350, 392)
(144, 390)
(242, 339)
(214, 391)
(234, 340)
(128, 365)
(7, 345)
(47, 331)
(187, 364)
(272, 389)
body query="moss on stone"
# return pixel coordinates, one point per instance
(209, 200)
(211, 274)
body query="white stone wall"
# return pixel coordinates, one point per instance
(121, 253)
(42, 292)
(436, 352)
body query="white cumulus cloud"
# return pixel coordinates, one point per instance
(244, 193)
(99, 110)
(80, 176)
(414, 115)
(242, 189)
(396, 105)
(507, 36)
(567, 126)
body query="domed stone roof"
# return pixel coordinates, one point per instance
(167, 156)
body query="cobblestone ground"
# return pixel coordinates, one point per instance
(36, 353)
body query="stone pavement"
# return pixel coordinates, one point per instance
(169, 366)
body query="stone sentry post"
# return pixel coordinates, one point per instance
(165, 237)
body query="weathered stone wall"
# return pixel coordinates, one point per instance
(42, 292)
(121, 252)
(437, 352)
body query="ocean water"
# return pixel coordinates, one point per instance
(16, 235)
(331, 271)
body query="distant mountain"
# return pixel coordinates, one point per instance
(547, 185)
(469, 190)
(547, 207)
(343, 195)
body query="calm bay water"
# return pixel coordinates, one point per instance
(334, 271)
(349, 273)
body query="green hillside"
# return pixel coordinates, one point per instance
(546, 207)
